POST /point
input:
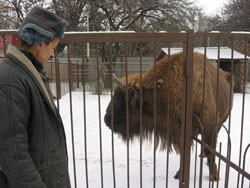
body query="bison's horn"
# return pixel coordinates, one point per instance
(117, 80)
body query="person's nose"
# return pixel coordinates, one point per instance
(52, 54)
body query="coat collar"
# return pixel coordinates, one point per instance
(28, 64)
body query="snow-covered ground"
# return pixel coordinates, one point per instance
(120, 149)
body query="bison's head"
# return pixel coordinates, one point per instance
(128, 110)
(124, 107)
(131, 113)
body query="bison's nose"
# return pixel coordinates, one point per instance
(107, 120)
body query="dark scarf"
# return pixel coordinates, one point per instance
(34, 61)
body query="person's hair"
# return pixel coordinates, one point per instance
(25, 45)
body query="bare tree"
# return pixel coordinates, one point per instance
(71, 10)
(5, 16)
(22, 7)
(13, 12)
(127, 14)
(74, 12)
(139, 16)
(236, 16)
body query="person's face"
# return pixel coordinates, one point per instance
(45, 52)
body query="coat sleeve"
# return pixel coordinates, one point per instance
(15, 160)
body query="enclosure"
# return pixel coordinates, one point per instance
(81, 80)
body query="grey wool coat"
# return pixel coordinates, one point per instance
(32, 140)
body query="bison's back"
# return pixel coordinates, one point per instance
(170, 72)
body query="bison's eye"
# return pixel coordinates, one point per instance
(159, 83)
(133, 97)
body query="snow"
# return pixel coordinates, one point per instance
(241, 32)
(8, 30)
(120, 149)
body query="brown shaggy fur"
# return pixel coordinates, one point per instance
(169, 82)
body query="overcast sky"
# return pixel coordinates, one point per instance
(210, 7)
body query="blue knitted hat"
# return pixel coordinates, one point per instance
(41, 25)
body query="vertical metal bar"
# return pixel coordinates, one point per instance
(51, 66)
(112, 114)
(71, 114)
(140, 115)
(228, 151)
(203, 110)
(127, 112)
(219, 164)
(168, 116)
(212, 162)
(1, 58)
(238, 77)
(4, 45)
(195, 162)
(183, 111)
(18, 42)
(218, 82)
(58, 81)
(232, 73)
(244, 162)
(229, 121)
(77, 75)
(187, 112)
(84, 116)
(243, 108)
(99, 111)
(155, 113)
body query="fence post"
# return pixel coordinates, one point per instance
(4, 45)
(187, 111)
(58, 80)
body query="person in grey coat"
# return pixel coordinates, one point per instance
(33, 151)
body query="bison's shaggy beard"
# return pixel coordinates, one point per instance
(164, 132)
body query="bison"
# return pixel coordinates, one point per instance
(168, 80)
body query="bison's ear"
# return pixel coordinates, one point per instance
(174, 67)
(133, 97)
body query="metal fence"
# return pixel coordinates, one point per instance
(93, 57)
